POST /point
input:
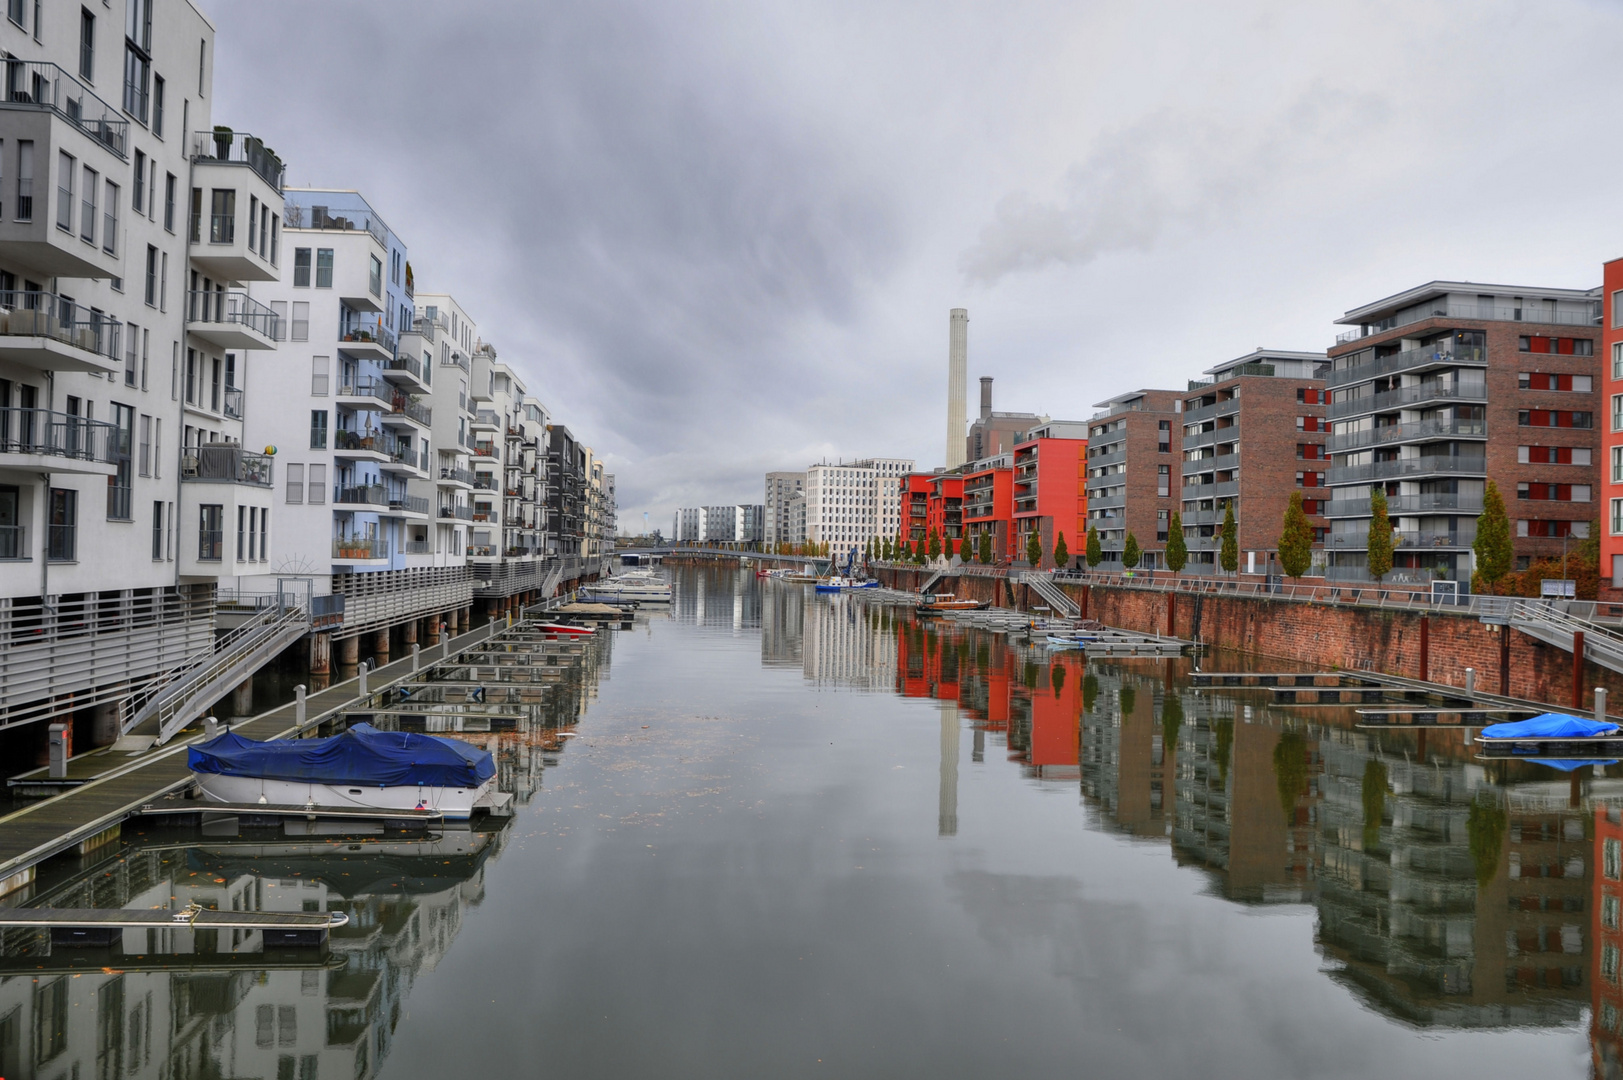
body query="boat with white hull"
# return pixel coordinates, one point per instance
(362, 768)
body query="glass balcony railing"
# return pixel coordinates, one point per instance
(1442, 308)
(410, 504)
(1434, 356)
(1404, 397)
(239, 148)
(360, 547)
(1407, 467)
(361, 495)
(1400, 433)
(230, 307)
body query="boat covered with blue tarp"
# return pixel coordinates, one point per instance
(1550, 725)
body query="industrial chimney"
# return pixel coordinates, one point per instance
(986, 398)
(957, 384)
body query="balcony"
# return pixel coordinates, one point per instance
(366, 392)
(1413, 431)
(50, 333)
(1214, 437)
(241, 181)
(454, 477)
(486, 420)
(1439, 539)
(1407, 397)
(405, 372)
(1226, 407)
(354, 446)
(1424, 503)
(360, 549)
(224, 464)
(361, 497)
(373, 341)
(1442, 355)
(1202, 517)
(1220, 463)
(457, 512)
(406, 461)
(1228, 489)
(483, 450)
(230, 319)
(409, 505)
(1408, 468)
(1118, 497)
(1441, 308)
(36, 441)
(353, 280)
(403, 411)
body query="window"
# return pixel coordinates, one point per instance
(374, 282)
(137, 57)
(194, 228)
(301, 320)
(87, 46)
(140, 188)
(62, 525)
(223, 216)
(318, 376)
(131, 357)
(157, 105)
(253, 222)
(1617, 464)
(25, 181)
(66, 167)
(1540, 380)
(323, 268)
(87, 216)
(109, 225)
(169, 201)
(1617, 361)
(146, 445)
(120, 488)
(242, 546)
(318, 429)
(16, 13)
(316, 491)
(301, 267)
(1617, 308)
(157, 531)
(1617, 517)
(1609, 911)
(295, 484)
(152, 276)
(210, 532)
(1611, 859)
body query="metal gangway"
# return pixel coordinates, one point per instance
(1057, 598)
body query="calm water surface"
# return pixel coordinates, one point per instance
(774, 833)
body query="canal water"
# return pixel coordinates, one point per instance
(776, 833)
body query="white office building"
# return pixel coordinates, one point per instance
(848, 504)
(780, 488)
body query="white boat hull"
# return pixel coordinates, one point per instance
(456, 804)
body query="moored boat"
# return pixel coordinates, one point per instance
(935, 603)
(359, 768)
(562, 629)
(840, 583)
(1553, 735)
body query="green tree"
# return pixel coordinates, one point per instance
(1492, 544)
(986, 548)
(1485, 827)
(1296, 541)
(1056, 678)
(1130, 552)
(1061, 554)
(1380, 535)
(1290, 771)
(1095, 553)
(1229, 555)
(1374, 797)
(1223, 731)
(1128, 696)
(885, 551)
(934, 544)
(1177, 550)
(1034, 548)
(1171, 716)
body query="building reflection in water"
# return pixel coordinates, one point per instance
(1449, 892)
(177, 1004)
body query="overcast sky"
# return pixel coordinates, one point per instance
(724, 238)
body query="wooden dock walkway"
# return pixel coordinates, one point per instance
(91, 813)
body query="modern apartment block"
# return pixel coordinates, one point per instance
(567, 482)
(1050, 490)
(1438, 388)
(848, 504)
(1253, 432)
(1132, 460)
(989, 503)
(781, 487)
(1611, 537)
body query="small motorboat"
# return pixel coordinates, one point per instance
(1552, 735)
(558, 629)
(840, 583)
(800, 579)
(936, 603)
(361, 768)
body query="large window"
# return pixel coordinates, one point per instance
(374, 282)
(301, 267)
(109, 225)
(324, 268)
(120, 492)
(62, 525)
(25, 180)
(152, 276)
(318, 429)
(295, 484)
(157, 531)
(169, 201)
(87, 46)
(210, 534)
(66, 168)
(316, 490)
(11, 530)
(318, 376)
(223, 216)
(87, 219)
(301, 320)
(137, 57)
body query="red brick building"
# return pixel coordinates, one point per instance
(1441, 387)
(1610, 472)
(1253, 433)
(1133, 472)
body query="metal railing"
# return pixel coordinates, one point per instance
(361, 495)
(1443, 309)
(345, 439)
(404, 455)
(239, 148)
(1340, 408)
(1406, 432)
(30, 313)
(460, 476)
(1359, 540)
(1415, 466)
(411, 504)
(411, 367)
(233, 403)
(232, 307)
(419, 547)
(1408, 360)
(296, 216)
(1219, 463)
(210, 545)
(371, 334)
(1426, 502)
(459, 512)
(54, 434)
(360, 547)
(421, 414)
(487, 418)
(39, 85)
(367, 386)
(13, 542)
(224, 464)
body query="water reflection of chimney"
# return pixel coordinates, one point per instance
(978, 754)
(947, 823)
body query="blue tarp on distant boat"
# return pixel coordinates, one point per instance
(1550, 725)
(361, 755)
(1570, 764)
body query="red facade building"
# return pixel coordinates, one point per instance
(1051, 488)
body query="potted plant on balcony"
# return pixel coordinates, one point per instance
(222, 142)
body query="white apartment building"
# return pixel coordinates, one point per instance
(780, 488)
(128, 223)
(438, 343)
(689, 526)
(848, 504)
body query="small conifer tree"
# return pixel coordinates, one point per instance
(1380, 535)
(1177, 549)
(1130, 552)
(986, 548)
(1296, 541)
(1034, 548)
(1492, 545)
(1095, 553)
(1229, 555)
(1062, 554)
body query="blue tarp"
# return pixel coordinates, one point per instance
(1571, 764)
(1550, 725)
(361, 755)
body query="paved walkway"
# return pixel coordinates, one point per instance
(40, 830)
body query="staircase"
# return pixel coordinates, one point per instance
(168, 704)
(930, 581)
(1056, 596)
(1553, 624)
(554, 576)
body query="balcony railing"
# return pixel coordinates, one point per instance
(223, 464)
(1415, 466)
(61, 543)
(1359, 540)
(419, 547)
(54, 434)
(404, 455)
(239, 148)
(27, 313)
(461, 476)
(459, 512)
(1443, 309)
(322, 217)
(402, 406)
(487, 418)
(360, 547)
(13, 543)
(39, 85)
(1447, 502)
(1220, 463)
(485, 450)
(361, 495)
(236, 308)
(367, 387)
(1408, 360)
(210, 545)
(1409, 432)
(410, 504)
(373, 334)
(412, 367)
(1403, 397)
(345, 439)
(233, 403)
